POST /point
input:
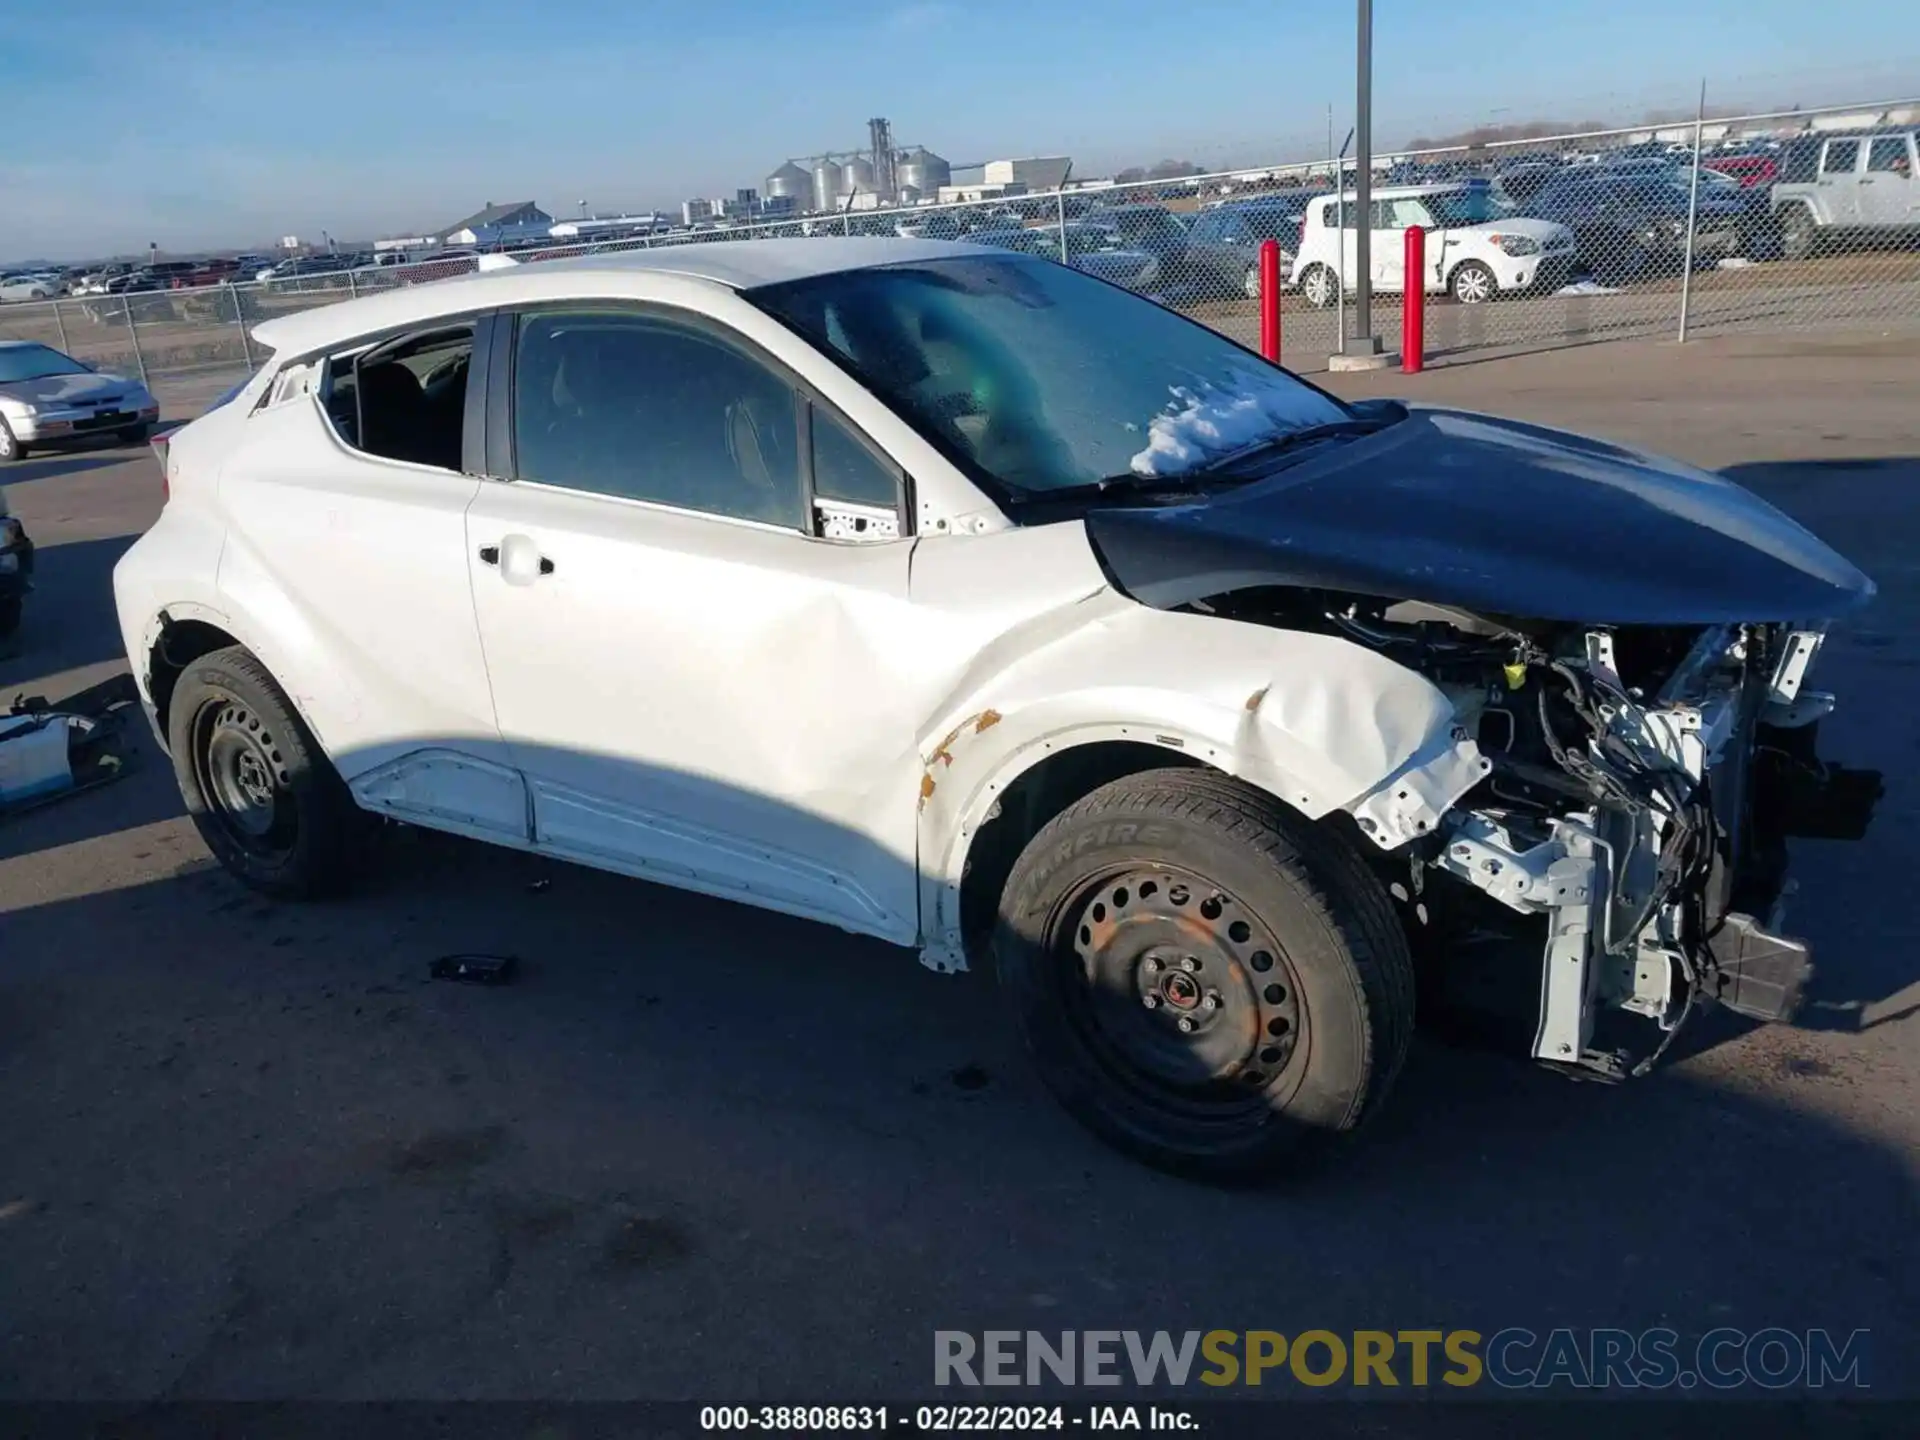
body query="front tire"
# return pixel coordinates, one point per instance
(263, 795)
(135, 434)
(1205, 979)
(10, 448)
(10, 608)
(1473, 284)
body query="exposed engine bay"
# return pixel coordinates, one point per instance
(1643, 783)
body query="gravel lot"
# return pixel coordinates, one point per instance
(701, 1151)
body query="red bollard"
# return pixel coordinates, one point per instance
(1413, 304)
(1270, 300)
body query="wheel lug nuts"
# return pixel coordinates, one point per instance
(1152, 1002)
(1153, 966)
(1189, 964)
(1212, 1002)
(1186, 1026)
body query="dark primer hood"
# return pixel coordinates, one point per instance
(1492, 516)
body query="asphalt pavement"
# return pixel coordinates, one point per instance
(697, 1150)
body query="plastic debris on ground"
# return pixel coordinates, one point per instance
(52, 750)
(1588, 287)
(476, 969)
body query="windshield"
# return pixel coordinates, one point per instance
(1475, 206)
(35, 362)
(1033, 377)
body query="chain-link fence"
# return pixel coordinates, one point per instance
(1786, 221)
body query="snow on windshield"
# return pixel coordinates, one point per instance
(1204, 422)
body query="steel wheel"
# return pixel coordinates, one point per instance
(1473, 284)
(1181, 994)
(244, 778)
(1252, 282)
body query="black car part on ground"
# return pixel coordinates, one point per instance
(16, 578)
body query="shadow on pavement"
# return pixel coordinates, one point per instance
(41, 467)
(698, 1148)
(69, 620)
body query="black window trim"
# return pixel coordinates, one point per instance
(503, 462)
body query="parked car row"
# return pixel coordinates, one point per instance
(1618, 216)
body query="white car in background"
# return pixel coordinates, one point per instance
(954, 597)
(15, 288)
(1477, 249)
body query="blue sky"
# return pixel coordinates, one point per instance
(197, 123)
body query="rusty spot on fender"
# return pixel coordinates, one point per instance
(1253, 700)
(943, 752)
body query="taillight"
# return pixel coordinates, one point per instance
(159, 443)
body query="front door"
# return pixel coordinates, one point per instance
(1839, 181)
(695, 685)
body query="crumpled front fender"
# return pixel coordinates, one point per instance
(1318, 721)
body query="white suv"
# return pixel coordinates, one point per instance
(1477, 248)
(958, 598)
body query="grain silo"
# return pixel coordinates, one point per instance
(790, 182)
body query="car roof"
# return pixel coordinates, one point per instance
(1273, 200)
(730, 265)
(1409, 192)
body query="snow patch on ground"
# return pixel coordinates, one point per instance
(1735, 262)
(1204, 422)
(1587, 287)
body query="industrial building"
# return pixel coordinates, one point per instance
(877, 176)
(497, 222)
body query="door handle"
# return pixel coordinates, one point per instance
(518, 558)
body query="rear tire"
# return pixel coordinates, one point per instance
(1321, 287)
(10, 609)
(1205, 979)
(1799, 235)
(263, 795)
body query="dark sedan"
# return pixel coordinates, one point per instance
(1223, 246)
(1630, 226)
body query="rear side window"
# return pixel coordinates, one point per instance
(1889, 155)
(1840, 158)
(404, 399)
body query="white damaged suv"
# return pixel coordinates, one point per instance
(957, 598)
(1477, 247)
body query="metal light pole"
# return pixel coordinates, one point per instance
(1364, 341)
(1693, 212)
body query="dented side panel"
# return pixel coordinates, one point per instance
(1316, 720)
